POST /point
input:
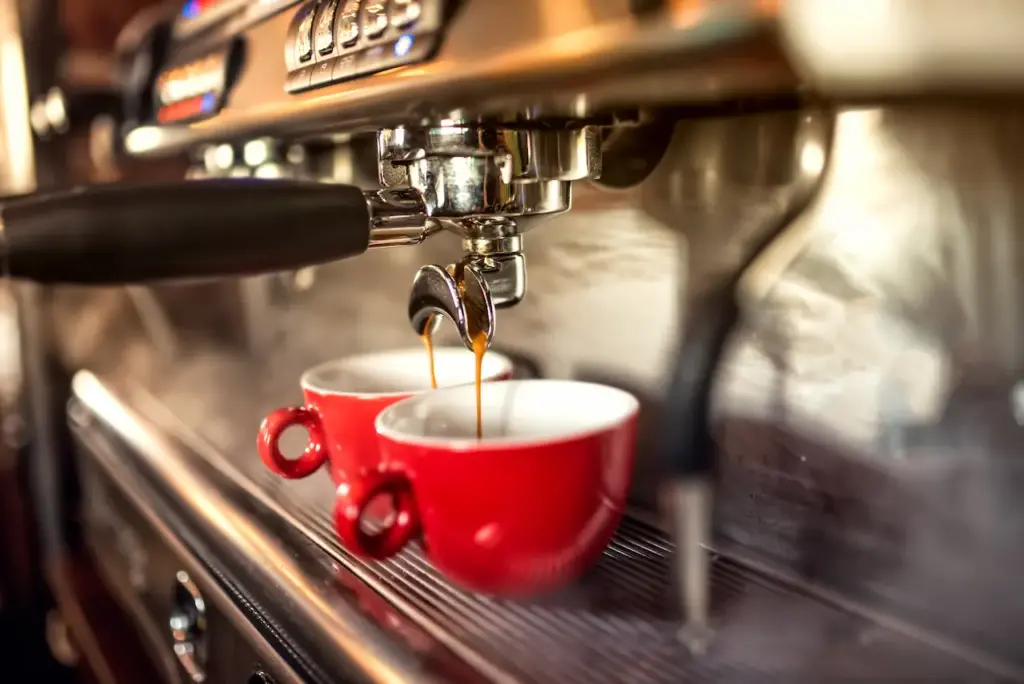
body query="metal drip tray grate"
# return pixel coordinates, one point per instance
(618, 624)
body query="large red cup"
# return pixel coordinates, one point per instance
(344, 396)
(521, 511)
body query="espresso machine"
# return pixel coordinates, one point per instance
(788, 227)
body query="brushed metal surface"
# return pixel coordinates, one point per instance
(869, 425)
(614, 625)
(570, 57)
(868, 414)
(577, 57)
(334, 625)
(138, 554)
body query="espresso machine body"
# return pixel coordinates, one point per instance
(802, 259)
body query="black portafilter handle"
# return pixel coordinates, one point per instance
(125, 234)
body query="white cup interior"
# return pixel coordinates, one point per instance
(516, 411)
(401, 371)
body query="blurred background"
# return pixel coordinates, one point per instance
(68, 46)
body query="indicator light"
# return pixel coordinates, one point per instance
(403, 45)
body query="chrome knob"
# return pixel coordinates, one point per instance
(405, 12)
(348, 25)
(375, 18)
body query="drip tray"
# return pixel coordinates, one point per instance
(619, 623)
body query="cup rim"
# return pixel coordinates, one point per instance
(472, 444)
(504, 367)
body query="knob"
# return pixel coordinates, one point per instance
(59, 110)
(188, 627)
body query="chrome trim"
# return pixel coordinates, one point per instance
(690, 510)
(566, 56)
(312, 604)
(129, 487)
(398, 216)
(153, 634)
(188, 628)
(163, 419)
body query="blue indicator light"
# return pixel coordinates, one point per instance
(403, 45)
(191, 9)
(209, 103)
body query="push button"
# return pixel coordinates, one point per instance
(322, 73)
(375, 18)
(324, 38)
(304, 37)
(298, 79)
(345, 67)
(348, 25)
(404, 13)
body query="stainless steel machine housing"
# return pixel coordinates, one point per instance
(860, 223)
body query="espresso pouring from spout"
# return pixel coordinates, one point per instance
(458, 293)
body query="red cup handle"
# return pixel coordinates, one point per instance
(274, 426)
(353, 499)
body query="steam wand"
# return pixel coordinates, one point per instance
(691, 457)
(710, 321)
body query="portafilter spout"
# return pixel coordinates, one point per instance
(459, 293)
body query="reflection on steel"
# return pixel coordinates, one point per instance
(139, 512)
(238, 530)
(468, 171)
(785, 167)
(876, 369)
(188, 628)
(599, 57)
(864, 419)
(574, 62)
(688, 507)
(614, 624)
(398, 216)
(463, 298)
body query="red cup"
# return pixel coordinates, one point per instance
(521, 511)
(344, 396)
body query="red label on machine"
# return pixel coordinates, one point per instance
(192, 108)
(195, 8)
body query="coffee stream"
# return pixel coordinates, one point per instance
(479, 349)
(479, 340)
(429, 343)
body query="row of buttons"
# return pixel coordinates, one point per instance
(355, 18)
(406, 49)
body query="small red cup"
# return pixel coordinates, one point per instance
(521, 511)
(344, 396)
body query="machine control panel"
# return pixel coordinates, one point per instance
(330, 41)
